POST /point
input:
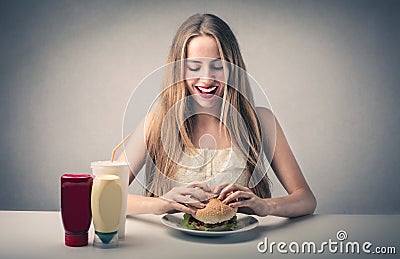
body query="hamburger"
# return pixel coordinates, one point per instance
(215, 216)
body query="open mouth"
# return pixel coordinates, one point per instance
(206, 91)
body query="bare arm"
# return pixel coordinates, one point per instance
(135, 154)
(135, 151)
(137, 204)
(300, 199)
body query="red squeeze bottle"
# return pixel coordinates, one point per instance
(76, 190)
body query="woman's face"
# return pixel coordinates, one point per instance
(204, 71)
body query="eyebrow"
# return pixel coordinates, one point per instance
(199, 62)
(216, 59)
(194, 61)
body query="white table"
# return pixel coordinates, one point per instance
(41, 235)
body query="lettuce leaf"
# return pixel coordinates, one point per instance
(228, 226)
(185, 221)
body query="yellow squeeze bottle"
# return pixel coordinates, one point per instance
(106, 210)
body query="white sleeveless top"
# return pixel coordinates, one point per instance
(215, 166)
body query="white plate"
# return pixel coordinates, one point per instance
(245, 223)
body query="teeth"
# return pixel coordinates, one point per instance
(207, 90)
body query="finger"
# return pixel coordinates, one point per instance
(202, 185)
(219, 188)
(197, 205)
(232, 188)
(237, 204)
(183, 208)
(192, 184)
(188, 199)
(237, 195)
(225, 191)
(178, 197)
(194, 193)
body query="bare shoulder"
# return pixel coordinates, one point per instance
(264, 111)
(265, 116)
(269, 124)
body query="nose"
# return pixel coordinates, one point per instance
(207, 76)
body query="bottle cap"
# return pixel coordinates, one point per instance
(105, 240)
(76, 240)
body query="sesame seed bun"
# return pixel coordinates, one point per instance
(215, 212)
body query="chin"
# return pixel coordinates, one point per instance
(211, 103)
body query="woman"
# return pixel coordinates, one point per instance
(207, 110)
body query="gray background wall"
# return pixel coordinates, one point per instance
(330, 69)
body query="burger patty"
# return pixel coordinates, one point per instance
(200, 223)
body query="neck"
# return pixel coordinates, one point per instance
(205, 120)
(209, 132)
(212, 111)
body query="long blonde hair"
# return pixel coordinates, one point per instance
(161, 165)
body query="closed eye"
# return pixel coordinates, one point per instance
(217, 67)
(216, 64)
(194, 69)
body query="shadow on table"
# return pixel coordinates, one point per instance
(242, 237)
(151, 221)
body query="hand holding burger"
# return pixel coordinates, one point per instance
(237, 196)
